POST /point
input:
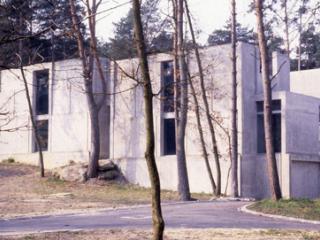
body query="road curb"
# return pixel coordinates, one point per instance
(293, 219)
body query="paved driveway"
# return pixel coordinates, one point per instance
(181, 215)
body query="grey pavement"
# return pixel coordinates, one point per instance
(214, 214)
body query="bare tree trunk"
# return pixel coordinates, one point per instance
(299, 46)
(202, 141)
(183, 182)
(158, 222)
(87, 60)
(176, 65)
(234, 109)
(270, 154)
(197, 106)
(33, 122)
(286, 25)
(207, 111)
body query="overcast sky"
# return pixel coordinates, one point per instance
(209, 15)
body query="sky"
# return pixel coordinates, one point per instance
(208, 15)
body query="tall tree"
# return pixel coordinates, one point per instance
(158, 222)
(308, 49)
(56, 13)
(88, 58)
(155, 32)
(32, 118)
(196, 102)
(234, 128)
(181, 119)
(265, 61)
(223, 36)
(15, 32)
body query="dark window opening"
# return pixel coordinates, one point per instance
(168, 86)
(42, 92)
(276, 126)
(169, 136)
(42, 127)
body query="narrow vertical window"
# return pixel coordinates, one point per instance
(168, 86)
(167, 109)
(42, 126)
(42, 92)
(169, 136)
(0, 80)
(276, 126)
(319, 123)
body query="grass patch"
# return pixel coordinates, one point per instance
(8, 160)
(300, 208)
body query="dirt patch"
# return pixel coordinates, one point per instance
(7, 170)
(24, 192)
(181, 234)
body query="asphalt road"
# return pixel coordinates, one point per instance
(182, 215)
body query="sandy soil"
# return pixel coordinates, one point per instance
(23, 192)
(181, 234)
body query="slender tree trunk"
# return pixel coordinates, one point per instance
(87, 61)
(270, 154)
(183, 182)
(234, 109)
(95, 143)
(33, 122)
(197, 106)
(207, 112)
(286, 25)
(158, 222)
(299, 46)
(202, 141)
(176, 65)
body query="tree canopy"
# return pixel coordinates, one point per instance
(157, 37)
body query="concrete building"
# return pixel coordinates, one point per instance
(61, 113)
(295, 120)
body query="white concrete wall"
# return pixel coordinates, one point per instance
(299, 150)
(127, 128)
(69, 123)
(306, 82)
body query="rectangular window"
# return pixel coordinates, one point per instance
(319, 123)
(276, 126)
(167, 86)
(167, 109)
(42, 127)
(0, 80)
(42, 92)
(169, 136)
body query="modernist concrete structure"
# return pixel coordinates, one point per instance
(61, 111)
(295, 119)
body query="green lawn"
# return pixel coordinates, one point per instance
(300, 208)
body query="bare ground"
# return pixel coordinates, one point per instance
(24, 192)
(181, 234)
